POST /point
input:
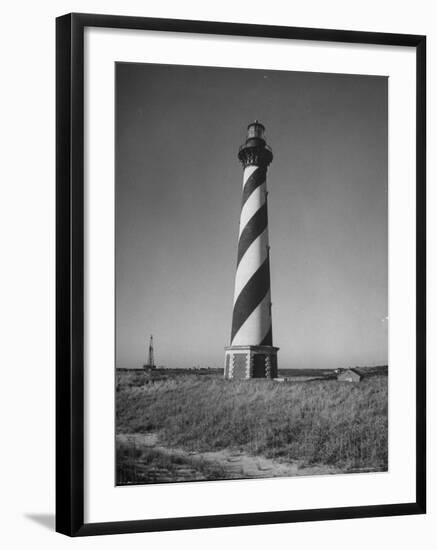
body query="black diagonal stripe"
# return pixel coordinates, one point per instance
(268, 338)
(252, 294)
(254, 227)
(257, 178)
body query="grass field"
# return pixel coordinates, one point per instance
(317, 422)
(148, 465)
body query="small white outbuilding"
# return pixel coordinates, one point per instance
(350, 375)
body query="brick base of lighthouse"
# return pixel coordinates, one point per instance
(244, 362)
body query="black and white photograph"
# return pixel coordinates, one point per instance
(218, 250)
(251, 274)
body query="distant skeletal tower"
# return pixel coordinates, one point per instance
(251, 353)
(151, 356)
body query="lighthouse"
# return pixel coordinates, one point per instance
(150, 365)
(251, 353)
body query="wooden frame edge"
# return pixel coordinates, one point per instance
(69, 276)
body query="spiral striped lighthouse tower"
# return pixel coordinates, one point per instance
(251, 353)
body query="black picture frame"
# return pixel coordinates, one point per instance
(70, 273)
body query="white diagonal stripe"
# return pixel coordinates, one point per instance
(251, 261)
(252, 205)
(256, 326)
(248, 171)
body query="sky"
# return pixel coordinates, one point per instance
(178, 198)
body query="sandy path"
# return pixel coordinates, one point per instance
(237, 463)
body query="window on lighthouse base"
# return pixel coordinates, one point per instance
(259, 366)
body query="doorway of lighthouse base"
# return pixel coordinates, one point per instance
(259, 366)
